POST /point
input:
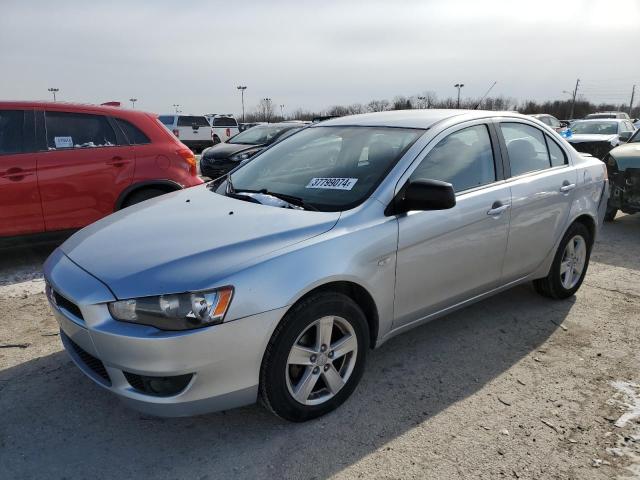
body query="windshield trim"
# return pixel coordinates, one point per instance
(325, 207)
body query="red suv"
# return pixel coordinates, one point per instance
(63, 166)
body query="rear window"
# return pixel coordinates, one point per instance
(11, 131)
(167, 119)
(191, 121)
(78, 130)
(224, 122)
(133, 133)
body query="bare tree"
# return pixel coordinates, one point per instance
(378, 105)
(265, 110)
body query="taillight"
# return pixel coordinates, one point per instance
(176, 132)
(228, 132)
(190, 158)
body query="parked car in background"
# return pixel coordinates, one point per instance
(602, 115)
(549, 120)
(598, 137)
(623, 164)
(192, 130)
(223, 127)
(220, 159)
(276, 281)
(64, 166)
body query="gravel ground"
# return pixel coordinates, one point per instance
(514, 387)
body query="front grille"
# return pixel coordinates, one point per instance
(597, 149)
(95, 365)
(68, 305)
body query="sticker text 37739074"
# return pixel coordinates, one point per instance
(332, 183)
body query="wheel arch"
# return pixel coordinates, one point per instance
(589, 222)
(358, 294)
(166, 185)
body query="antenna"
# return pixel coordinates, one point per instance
(485, 95)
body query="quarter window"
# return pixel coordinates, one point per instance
(526, 147)
(78, 130)
(464, 159)
(556, 154)
(133, 133)
(11, 131)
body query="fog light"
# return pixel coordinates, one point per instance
(158, 386)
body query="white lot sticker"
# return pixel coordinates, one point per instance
(63, 142)
(332, 183)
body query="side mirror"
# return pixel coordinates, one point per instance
(625, 136)
(424, 194)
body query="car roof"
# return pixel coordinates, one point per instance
(62, 105)
(424, 118)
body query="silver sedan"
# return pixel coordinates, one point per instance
(276, 281)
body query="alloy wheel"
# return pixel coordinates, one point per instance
(573, 261)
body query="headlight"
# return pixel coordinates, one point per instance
(244, 155)
(183, 311)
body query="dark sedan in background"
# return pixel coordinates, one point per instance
(223, 157)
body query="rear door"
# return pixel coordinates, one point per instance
(82, 169)
(20, 206)
(542, 188)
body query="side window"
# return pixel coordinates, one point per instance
(133, 133)
(464, 159)
(11, 131)
(78, 130)
(556, 154)
(526, 148)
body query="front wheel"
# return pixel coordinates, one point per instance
(569, 265)
(315, 358)
(610, 214)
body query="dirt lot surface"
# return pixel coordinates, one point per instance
(517, 386)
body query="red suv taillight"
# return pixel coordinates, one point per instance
(176, 132)
(190, 158)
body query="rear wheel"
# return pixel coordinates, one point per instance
(315, 358)
(216, 139)
(142, 195)
(569, 265)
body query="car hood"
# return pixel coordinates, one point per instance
(627, 155)
(224, 150)
(186, 241)
(579, 138)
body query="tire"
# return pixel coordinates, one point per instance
(281, 376)
(610, 214)
(142, 195)
(557, 286)
(216, 139)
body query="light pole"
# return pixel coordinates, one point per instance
(282, 110)
(267, 107)
(176, 106)
(459, 87)
(242, 88)
(54, 90)
(133, 102)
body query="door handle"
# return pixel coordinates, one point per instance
(497, 208)
(567, 187)
(117, 162)
(15, 174)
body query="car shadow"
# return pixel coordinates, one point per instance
(54, 420)
(612, 247)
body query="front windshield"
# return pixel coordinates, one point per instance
(635, 138)
(329, 168)
(259, 135)
(595, 128)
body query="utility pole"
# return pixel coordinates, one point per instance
(54, 90)
(242, 88)
(633, 94)
(282, 111)
(459, 87)
(133, 102)
(573, 100)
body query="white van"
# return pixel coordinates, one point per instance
(224, 127)
(192, 130)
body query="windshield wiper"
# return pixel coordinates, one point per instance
(297, 201)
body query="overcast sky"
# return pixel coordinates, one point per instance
(314, 54)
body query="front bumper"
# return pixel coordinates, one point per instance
(224, 360)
